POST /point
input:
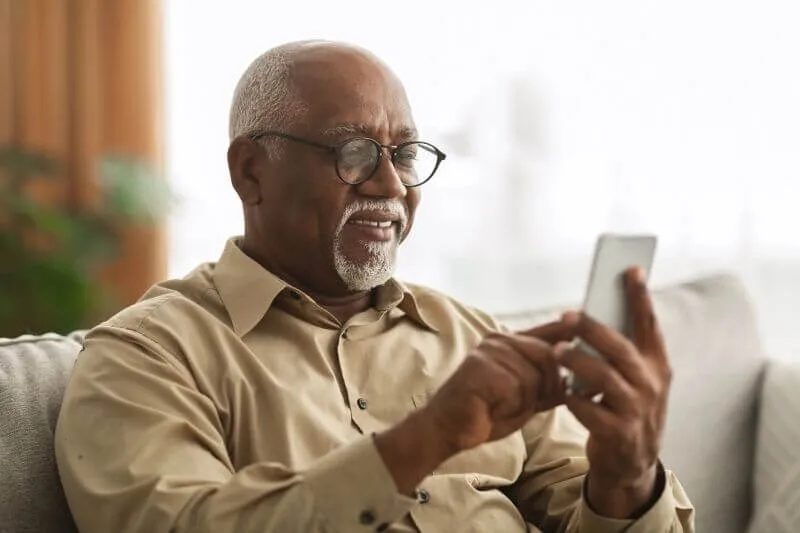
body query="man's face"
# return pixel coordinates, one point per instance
(315, 229)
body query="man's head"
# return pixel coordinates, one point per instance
(301, 219)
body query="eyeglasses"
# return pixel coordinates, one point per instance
(358, 158)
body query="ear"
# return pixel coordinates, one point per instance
(247, 163)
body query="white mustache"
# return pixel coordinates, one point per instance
(394, 208)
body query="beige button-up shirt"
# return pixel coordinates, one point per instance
(230, 402)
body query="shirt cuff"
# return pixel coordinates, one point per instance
(354, 491)
(657, 519)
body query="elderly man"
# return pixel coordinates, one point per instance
(294, 385)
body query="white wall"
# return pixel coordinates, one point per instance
(561, 120)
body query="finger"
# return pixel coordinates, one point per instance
(552, 332)
(646, 331)
(594, 416)
(620, 352)
(599, 377)
(541, 355)
(521, 374)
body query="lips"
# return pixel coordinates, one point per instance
(373, 215)
(374, 225)
(371, 223)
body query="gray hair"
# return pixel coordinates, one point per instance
(265, 98)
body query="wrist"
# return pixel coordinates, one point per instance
(412, 450)
(438, 439)
(629, 500)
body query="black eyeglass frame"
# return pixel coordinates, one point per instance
(337, 148)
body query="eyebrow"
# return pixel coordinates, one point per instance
(405, 132)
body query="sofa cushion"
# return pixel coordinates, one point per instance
(777, 473)
(714, 347)
(33, 374)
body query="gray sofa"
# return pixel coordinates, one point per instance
(710, 440)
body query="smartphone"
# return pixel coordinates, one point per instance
(606, 297)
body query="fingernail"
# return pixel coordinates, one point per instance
(639, 275)
(561, 348)
(570, 318)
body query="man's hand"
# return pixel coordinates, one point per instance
(625, 427)
(504, 381)
(501, 384)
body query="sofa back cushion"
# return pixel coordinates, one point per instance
(33, 374)
(717, 359)
(777, 474)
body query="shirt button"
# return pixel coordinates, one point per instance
(361, 403)
(366, 517)
(422, 496)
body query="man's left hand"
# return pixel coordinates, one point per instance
(626, 425)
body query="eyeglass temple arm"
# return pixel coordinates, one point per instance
(259, 134)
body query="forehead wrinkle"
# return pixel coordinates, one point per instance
(350, 128)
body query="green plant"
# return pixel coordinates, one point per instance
(51, 256)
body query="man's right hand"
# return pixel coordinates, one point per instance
(501, 384)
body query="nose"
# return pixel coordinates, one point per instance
(385, 181)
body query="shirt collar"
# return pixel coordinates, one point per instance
(395, 294)
(248, 290)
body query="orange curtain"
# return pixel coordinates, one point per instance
(80, 79)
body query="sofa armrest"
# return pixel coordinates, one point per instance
(33, 373)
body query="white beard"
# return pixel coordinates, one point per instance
(381, 261)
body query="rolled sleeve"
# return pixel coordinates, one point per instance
(671, 513)
(354, 491)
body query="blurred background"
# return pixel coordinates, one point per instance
(561, 120)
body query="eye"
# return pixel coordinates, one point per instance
(405, 156)
(352, 148)
(358, 152)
